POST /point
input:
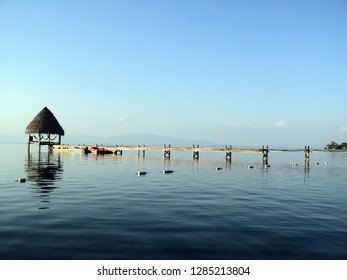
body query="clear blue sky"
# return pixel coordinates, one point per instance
(234, 72)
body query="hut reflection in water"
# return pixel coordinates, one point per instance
(43, 170)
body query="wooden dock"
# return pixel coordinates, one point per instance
(228, 150)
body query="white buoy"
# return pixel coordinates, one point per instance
(294, 164)
(141, 173)
(219, 168)
(21, 180)
(326, 163)
(167, 171)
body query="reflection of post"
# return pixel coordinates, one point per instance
(195, 166)
(227, 164)
(166, 161)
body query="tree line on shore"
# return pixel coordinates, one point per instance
(334, 146)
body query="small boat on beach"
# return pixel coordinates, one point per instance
(100, 151)
(82, 150)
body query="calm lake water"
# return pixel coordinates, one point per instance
(76, 206)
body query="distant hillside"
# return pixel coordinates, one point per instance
(134, 139)
(129, 139)
(14, 139)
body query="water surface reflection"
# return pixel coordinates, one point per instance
(43, 170)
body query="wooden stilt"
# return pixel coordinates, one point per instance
(228, 155)
(167, 153)
(195, 154)
(265, 155)
(49, 142)
(307, 156)
(28, 150)
(118, 151)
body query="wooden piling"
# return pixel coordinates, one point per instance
(194, 149)
(265, 155)
(167, 153)
(196, 153)
(307, 156)
(228, 155)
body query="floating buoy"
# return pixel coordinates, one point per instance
(219, 168)
(317, 163)
(21, 180)
(141, 173)
(250, 166)
(167, 171)
(294, 164)
(326, 163)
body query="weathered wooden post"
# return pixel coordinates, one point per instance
(118, 151)
(265, 155)
(167, 153)
(228, 155)
(307, 156)
(195, 153)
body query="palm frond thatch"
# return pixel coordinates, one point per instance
(45, 122)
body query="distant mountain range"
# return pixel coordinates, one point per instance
(13, 139)
(128, 139)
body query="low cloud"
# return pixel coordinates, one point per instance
(343, 128)
(232, 123)
(122, 119)
(281, 124)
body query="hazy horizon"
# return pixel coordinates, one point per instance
(127, 139)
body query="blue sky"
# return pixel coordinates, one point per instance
(234, 72)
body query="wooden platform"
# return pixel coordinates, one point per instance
(166, 148)
(183, 149)
(195, 150)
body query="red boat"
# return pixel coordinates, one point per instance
(100, 151)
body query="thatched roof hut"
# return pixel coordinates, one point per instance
(44, 123)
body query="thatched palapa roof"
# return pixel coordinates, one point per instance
(45, 122)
